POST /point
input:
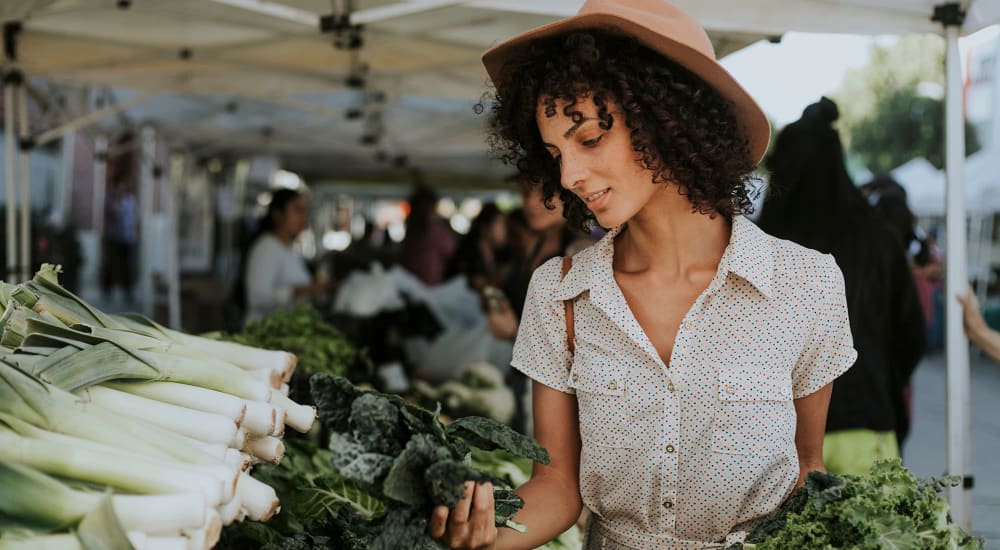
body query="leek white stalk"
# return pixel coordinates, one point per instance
(206, 537)
(260, 418)
(237, 459)
(259, 499)
(230, 511)
(284, 389)
(184, 395)
(272, 378)
(270, 449)
(123, 470)
(239, 439)
(206, 427)
(299, 417)
(34, 496)
(142, 541)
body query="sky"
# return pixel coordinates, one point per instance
(786, 77)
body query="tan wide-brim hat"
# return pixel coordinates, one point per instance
(662, 27)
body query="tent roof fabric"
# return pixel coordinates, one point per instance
(419, 59)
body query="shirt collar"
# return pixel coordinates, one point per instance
(749, 255)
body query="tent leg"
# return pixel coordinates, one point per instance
(147, 239)
(174, 178)
(11, 187)
(957, 346)
(25, 162)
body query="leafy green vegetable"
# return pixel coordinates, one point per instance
(489, 435)
(888, 508)
(402, 455)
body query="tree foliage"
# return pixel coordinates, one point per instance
(891, 109)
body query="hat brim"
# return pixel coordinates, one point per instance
(749, 115)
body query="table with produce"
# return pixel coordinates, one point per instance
(117, 432)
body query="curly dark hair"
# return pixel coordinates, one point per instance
(680, 127)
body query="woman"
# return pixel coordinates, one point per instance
(478, 253)
(275, 274)
(429, 243)
(694, 398)
(813, 202)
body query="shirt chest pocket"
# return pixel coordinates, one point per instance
(755, 413)
(605, 412)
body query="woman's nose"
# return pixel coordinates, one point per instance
(571, 172)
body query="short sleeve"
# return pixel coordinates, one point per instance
(829, 349)
(540, 350)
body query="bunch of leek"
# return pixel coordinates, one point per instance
(119, 402)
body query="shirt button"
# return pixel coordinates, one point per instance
(612, 385)
(670, 448)
(730, 388)
(668, 505)
(576, 377)
(670, 387)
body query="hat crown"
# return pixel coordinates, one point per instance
(662, 17)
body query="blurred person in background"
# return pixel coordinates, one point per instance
(429, 242)
(549, 235)
(274, 274)
(813, 202)
(479, 255)
(121, 227)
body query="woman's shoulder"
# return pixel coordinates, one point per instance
(546, 277)
(805, 264)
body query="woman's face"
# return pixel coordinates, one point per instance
(496, 231)
(598, 166)
(538, 217)
(294, 218)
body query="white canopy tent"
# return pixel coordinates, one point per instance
(420, 59)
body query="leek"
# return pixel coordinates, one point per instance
(184, 395)
(206, 427)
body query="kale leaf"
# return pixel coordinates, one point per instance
(489, 435)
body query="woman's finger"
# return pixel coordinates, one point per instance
(483, 517)
(463, 506)
(438, 522)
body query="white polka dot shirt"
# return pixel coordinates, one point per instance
(687, 454)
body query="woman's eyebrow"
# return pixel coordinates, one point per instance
(572, 130)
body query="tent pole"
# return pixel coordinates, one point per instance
(10, 185)
(174, 176)
(25, 168)
(957, 346)
(147, 239)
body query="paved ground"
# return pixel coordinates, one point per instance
(924, 451)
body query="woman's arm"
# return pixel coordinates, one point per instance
(811, 413)
(551, 497)
(976, 328)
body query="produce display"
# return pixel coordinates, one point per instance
(886, 509)
(119, 433)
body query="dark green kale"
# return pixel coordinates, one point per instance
(446, 481)
(355, 462)
(405, 482)
(333, 396)
(489, 435)
(404, 528)
(376, 424)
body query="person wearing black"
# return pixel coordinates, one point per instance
(813, 202)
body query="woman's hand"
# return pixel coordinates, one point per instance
(975, 325)
(502, 324)
(471, 525)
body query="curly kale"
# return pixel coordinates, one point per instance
(888, 508)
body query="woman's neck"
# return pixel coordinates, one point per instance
(666, 236)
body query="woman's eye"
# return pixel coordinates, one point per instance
(593, 142)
